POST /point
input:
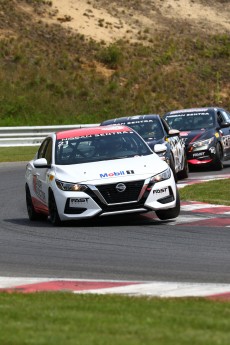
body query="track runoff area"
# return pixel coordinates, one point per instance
(213, 215)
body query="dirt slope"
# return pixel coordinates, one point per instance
(110, 20)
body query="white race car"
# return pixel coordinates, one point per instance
(95, 172)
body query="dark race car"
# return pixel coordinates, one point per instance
(206, 133)
(155, 130)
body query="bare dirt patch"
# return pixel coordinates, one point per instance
(132, 20)
(105, 20)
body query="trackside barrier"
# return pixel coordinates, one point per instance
(31, 136)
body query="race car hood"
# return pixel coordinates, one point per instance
(109, 170)
(196, 135)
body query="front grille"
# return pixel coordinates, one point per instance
(112, 196)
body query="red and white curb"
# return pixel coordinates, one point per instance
(194, 180)
(195, 213)
(202, 214)
(129, 288)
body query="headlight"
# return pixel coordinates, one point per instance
(202, 145)
(74, 187)
(165, 175)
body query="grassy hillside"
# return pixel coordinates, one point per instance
(52, 75)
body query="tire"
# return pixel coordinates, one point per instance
(172, 166)
(171, 212)
(184, 173)
(33, 215)
(218, 162)
(53, 211)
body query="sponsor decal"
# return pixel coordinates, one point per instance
(193, 111)
(74, 202)
(198, 154)
(111, 127)
(96, 135)
(226, 141)
(38, 188)
(139, 121)
(90, 132)
(116, 173)
(135, 120)
(117, 133)
(159, 191)
(130, 172)
(79, 200)
(66, 140)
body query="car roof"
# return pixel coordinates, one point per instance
(190, 110)
(130, 119)
(81, 132)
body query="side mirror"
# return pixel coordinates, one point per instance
(160, 148)
(41, 163)
(225, 125)
(173, 132)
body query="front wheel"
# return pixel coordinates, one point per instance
(53, 211)
(172, 166)
(218, 161)
(184, 173)
(171, 212)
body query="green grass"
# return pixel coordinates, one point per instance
(15, 154)
(64, 318)
(214, 192)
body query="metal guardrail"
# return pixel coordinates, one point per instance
(31, 136)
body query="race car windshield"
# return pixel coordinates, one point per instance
(149, 130)
(191, 121)
(95, 148)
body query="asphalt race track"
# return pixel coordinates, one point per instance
(121, 248)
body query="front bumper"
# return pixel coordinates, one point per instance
(104, 200)
(201, 157)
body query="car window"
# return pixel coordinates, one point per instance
(166, 126)
(42, 149)
(91, 149)
(191, 121)
(227, 114)
(45, 150)
(223, 116)
(48, 152)
(149, 130)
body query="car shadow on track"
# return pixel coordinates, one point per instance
(110, 221)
